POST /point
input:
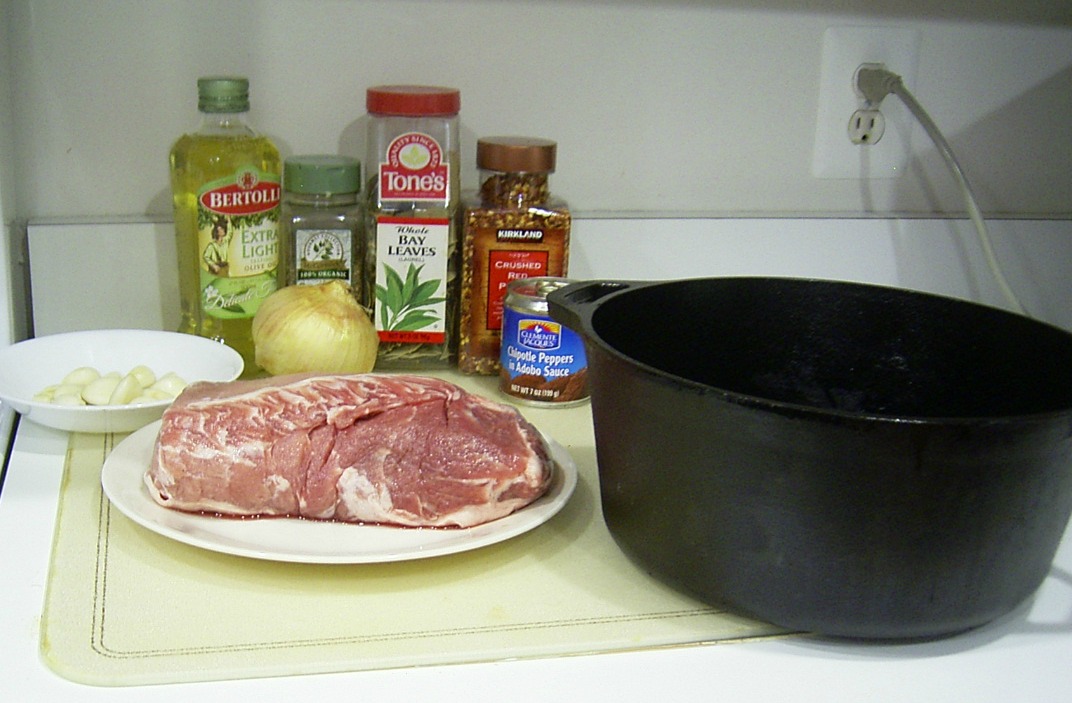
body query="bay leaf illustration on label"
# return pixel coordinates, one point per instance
(411, 279)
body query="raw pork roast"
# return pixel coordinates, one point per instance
(400, 450)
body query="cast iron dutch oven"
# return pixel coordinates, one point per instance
(847, 459)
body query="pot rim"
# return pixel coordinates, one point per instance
(615, 288)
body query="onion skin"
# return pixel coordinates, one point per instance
(314, 329)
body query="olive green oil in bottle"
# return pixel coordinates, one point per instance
(225, 182)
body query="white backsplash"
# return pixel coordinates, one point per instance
(100, 274)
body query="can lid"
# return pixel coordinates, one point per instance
(223, 94)
(516, 154)
(322, 174)
(413, 100)
(537, 288)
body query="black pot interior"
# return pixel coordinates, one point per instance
(841, 346)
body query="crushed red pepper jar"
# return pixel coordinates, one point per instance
(514, 228)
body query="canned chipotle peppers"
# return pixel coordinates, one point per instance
(543, 361)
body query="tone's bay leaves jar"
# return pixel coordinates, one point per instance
(411, 257)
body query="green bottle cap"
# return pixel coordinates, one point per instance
(223, 94)
(322, 174)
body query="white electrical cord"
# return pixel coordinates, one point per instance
(875, 84)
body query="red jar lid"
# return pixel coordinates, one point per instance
(413, 100)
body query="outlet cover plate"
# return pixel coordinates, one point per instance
(844, 49)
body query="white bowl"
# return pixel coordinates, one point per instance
(29, 367)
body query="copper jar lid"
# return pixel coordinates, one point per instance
(516, 154)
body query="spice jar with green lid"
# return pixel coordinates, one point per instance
(514, 228)
(322, 219)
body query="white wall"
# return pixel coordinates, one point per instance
(11, 317)
(698, 106)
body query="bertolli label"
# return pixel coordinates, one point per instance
(238, 242)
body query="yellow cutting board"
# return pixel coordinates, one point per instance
(126, 606)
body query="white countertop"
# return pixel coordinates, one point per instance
(1027, 655)
(1024, 656)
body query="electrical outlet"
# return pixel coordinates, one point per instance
(866, 127)
(836, 154)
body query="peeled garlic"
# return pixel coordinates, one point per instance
(144, 375)
(126, 390)
(81, 376)
(87, 386)
(170, 383)
(318, 328)
(48, 394)
(68, 399)
(67, 388)
(99, 392)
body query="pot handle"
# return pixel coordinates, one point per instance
(574, 304)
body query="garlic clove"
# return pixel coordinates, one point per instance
(68, 399)
(99, 392)
(144, 375)
(81, 376)
(170, 383)
(126, 390)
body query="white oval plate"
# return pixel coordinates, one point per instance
(29, 367)
(312, 541)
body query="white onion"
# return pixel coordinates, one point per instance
(317, 329)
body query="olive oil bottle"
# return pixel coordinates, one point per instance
(225, 182)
